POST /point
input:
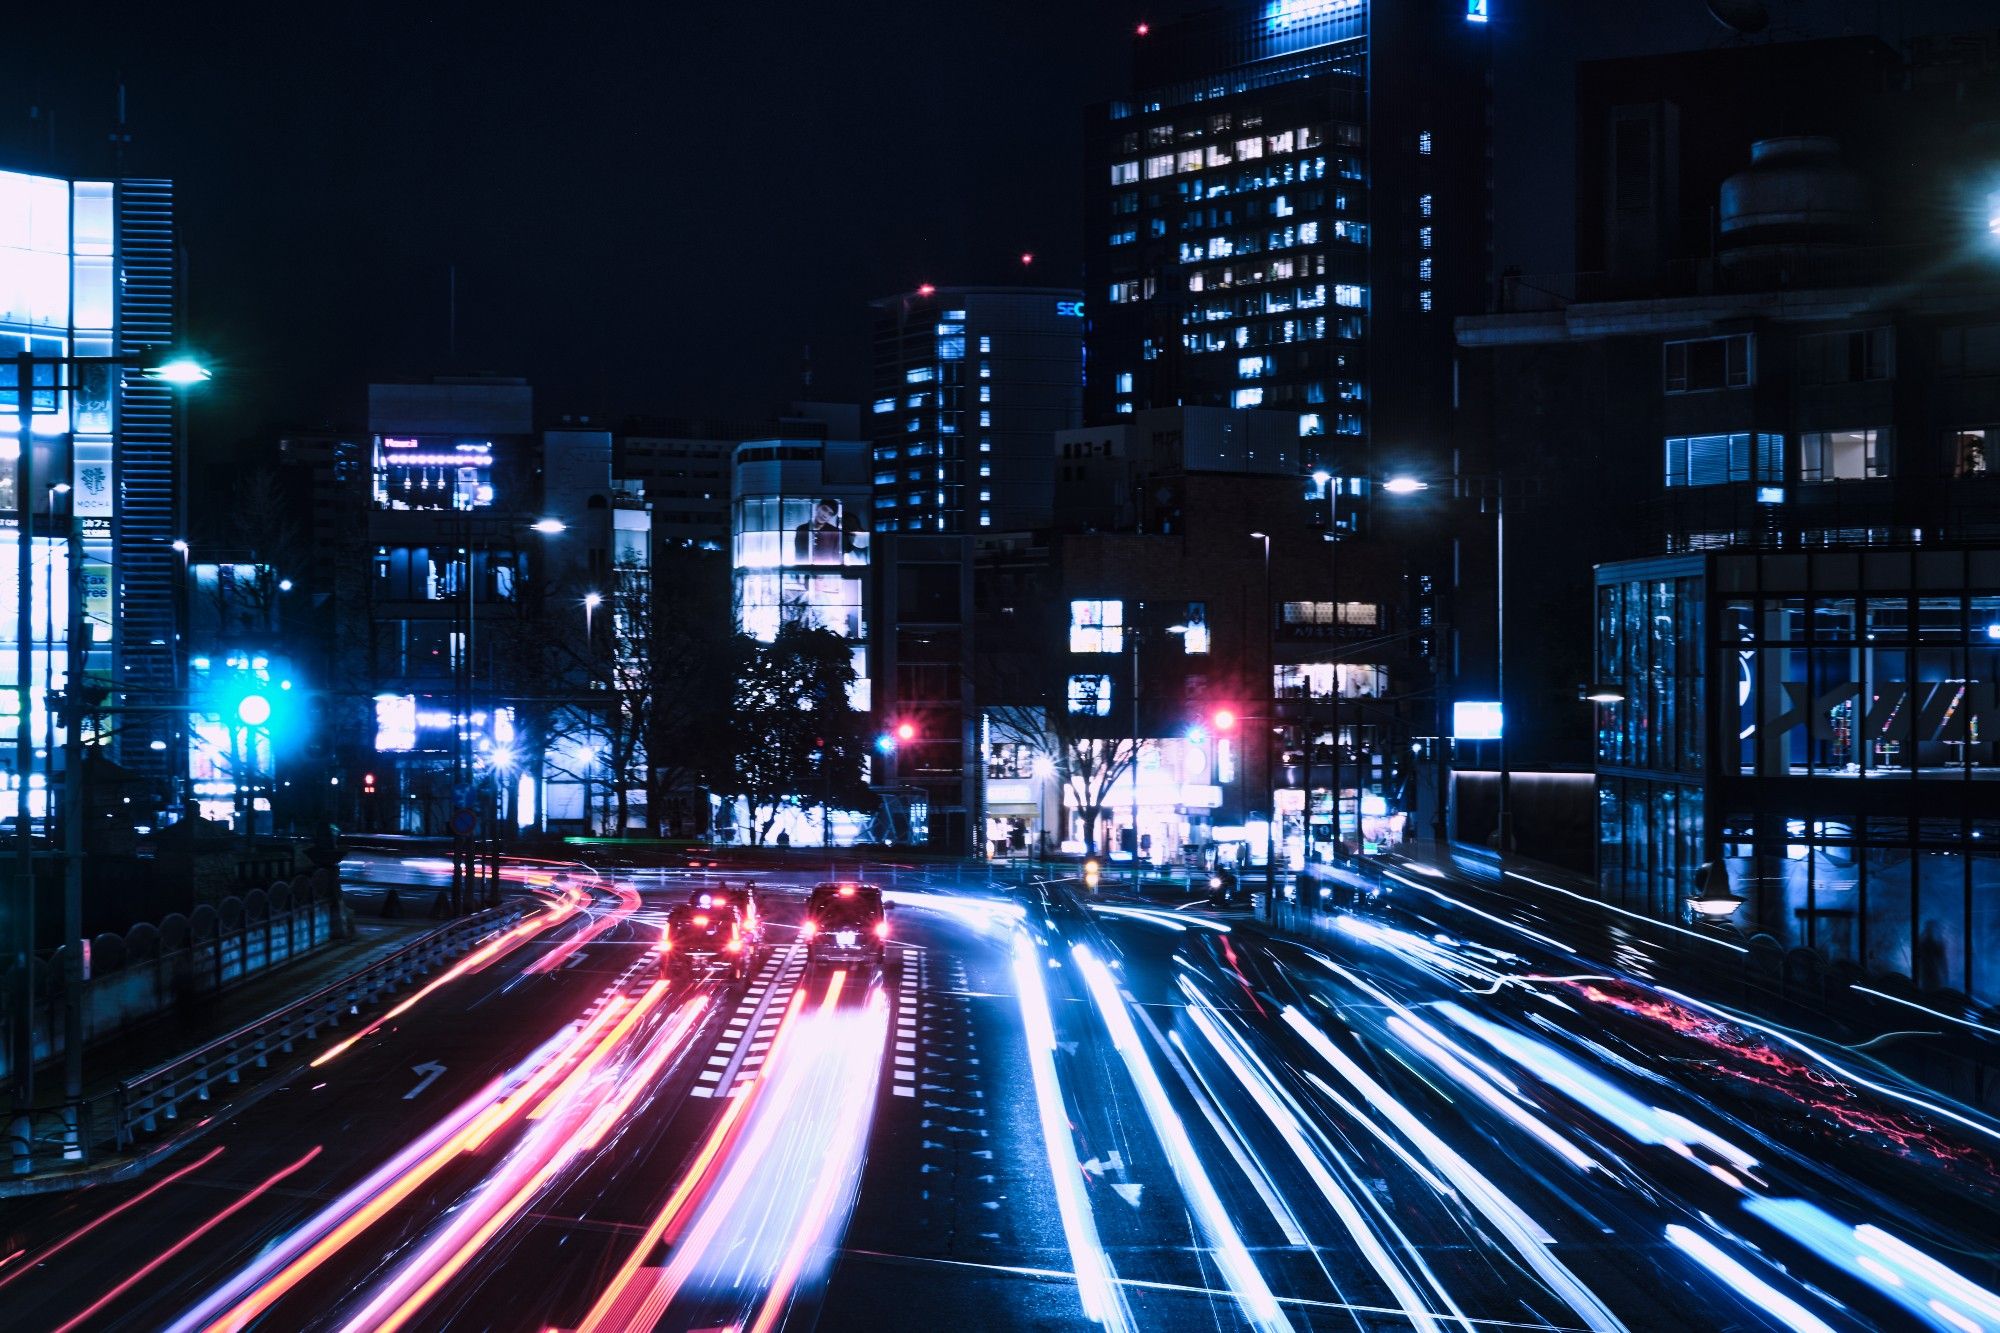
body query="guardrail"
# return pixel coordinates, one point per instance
(70, 1138)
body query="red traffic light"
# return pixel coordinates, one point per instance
(906, 731)
(1223, 719)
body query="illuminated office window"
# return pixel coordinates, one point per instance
(1097, 626)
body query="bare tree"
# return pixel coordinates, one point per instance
(1088, 766)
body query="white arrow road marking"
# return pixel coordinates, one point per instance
(1129, 1193)
(427, 1073)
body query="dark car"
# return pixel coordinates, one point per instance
(743, 899)
(845, 923)
(705, 941)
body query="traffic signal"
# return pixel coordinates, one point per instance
(901, 734)
(1223, 720)
(1090, 874)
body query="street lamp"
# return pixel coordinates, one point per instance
(591, 601)
(549, 527)
(179, 371)
(1503, 833)
(1712, 900)
(1270, 723)
(1602, 694)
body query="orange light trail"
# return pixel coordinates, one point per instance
(58, 1246)
(628, 903)
(565, 1152)
(497, 1115)
(567, 1088)
(494, 948)
(152, 1265)
(653, 1302)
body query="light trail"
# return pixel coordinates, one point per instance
(551, 1149)
(1938, 1295)
(777, 1197)
(1819, 1057)
(1252, 1293)
(600, 922)
(1632, 1117)
(1103, 1302)
(632, 1302)
(275, 1272)
(241, 1202)
(1151, 917)
(1464, 906)
(1284, 1118)
(54, 1248)
(1759, 1293)
(1506, 1216)
(499, 946)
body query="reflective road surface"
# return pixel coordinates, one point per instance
(1046, 1113)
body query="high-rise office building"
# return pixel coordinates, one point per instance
(969, 382)
(1287, 213)
(88, 268)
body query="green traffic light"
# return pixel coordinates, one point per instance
(253, 710)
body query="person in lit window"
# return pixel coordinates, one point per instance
(821, 540)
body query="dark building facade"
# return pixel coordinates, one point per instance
(970, 385)
(1770, 433)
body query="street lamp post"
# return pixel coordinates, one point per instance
(1503, 832)
(1270, 729)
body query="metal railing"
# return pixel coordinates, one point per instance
(68, 1138)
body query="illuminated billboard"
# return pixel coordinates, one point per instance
(1476, 721)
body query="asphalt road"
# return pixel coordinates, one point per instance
(1042, 1114)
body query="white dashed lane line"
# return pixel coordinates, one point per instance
(732, 1067)
(903, 1074)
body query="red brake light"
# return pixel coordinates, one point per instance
(809, 929)
(701, 920)
(881, 930)
(847, 890)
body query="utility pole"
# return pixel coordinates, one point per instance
(24, 743)
(76, 659)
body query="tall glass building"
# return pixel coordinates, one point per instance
(969, 384)
(1287, 212)
(88, 268)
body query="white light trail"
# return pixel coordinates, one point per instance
(1103, 1301)
(1745, 1283)
(1506, 1216)
(1245, 1282)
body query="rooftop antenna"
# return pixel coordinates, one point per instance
(121, 136)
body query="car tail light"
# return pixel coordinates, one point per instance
(701, 920)
(809, 929)
(881, 930)
(666, 938)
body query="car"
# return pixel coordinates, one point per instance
(705, 941)
(744, 899)
(845, 922)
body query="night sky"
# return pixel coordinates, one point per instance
(657, 208)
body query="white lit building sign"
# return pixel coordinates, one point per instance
(1476, 721)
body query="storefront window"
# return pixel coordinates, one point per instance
(1940, 935)
(1886, 910)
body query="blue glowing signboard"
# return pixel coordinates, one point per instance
(1072, 309)
(1476, 720)
(1475, 11)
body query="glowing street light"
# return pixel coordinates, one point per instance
(591, 601)
(549, 527)
(180, 370)
(1602, 694)
(1405, 485)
